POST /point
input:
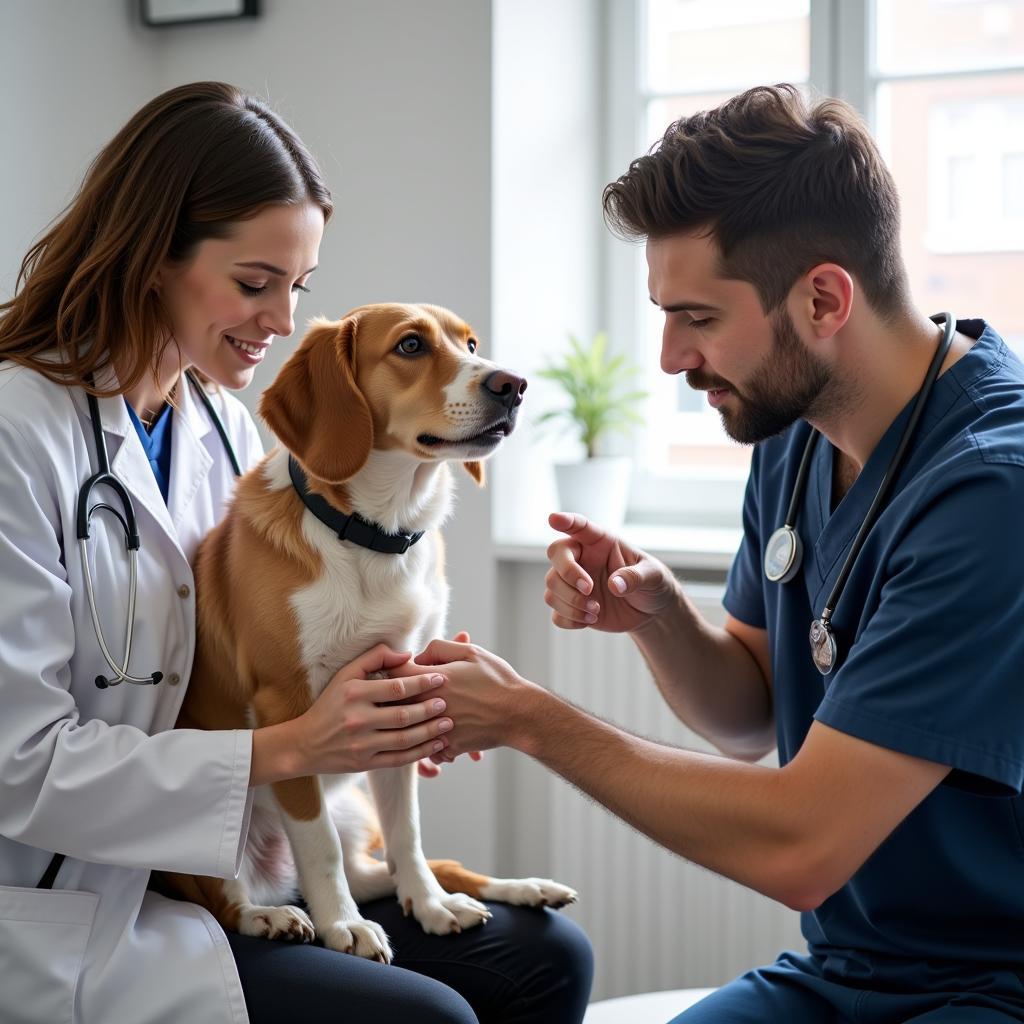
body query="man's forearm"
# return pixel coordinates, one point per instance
(724, 815)
(709, 679)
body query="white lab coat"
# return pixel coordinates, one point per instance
(99, 774)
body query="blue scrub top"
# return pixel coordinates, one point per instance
(156, 443)
(931, 632)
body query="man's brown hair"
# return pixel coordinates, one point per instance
(780, 185)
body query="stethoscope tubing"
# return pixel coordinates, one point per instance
(894, 466)
(120, 671)
(824, 646)
(128, 522)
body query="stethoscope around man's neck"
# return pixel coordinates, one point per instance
(784, 552)
(126, 517)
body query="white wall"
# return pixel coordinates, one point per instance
(70, 75)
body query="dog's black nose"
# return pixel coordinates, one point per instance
(506, 388)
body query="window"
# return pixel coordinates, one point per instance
(974, 195)
(941, 82)
(947, 91)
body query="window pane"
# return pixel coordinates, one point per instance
(956, 150)
(1013, 185)
(939, 35)
(709, 45)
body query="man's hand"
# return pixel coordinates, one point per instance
(487, 699)
(598, 580)
(430, 767)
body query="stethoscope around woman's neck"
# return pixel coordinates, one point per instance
(126, 517)
(784, 552)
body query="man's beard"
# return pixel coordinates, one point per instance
(782, 390)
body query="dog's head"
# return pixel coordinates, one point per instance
(392, 377)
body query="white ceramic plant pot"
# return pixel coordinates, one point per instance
(597, 488)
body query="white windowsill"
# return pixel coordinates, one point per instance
(705, 548)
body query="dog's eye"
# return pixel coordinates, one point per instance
(410, 345)
(471, 345)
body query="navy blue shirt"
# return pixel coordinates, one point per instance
(931, 633)
(156, 443)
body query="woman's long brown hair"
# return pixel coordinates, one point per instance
(190, 164)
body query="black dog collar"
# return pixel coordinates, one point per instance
(354, 528)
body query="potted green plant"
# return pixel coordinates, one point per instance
(602, 402)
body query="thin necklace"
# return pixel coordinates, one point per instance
(148, 421)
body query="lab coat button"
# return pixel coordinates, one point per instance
(174, 679)
(184, 590)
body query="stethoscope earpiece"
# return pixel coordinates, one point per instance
(783, 553)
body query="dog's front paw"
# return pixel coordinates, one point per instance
(447, 913)
(288, 923)
(530, 892)
(361, 938)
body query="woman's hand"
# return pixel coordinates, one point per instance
(355, 726)
(598, 580)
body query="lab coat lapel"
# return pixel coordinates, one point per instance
(190, 459)
(128, 460)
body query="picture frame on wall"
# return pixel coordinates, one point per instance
(159, 13)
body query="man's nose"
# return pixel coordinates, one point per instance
(678, 355)
(505, 388)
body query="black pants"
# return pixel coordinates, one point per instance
(524, 966)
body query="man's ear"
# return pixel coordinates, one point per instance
(315, 408)
(827, 294)
(476, 471)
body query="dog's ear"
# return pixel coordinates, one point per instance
(315, 408)
(476, 471)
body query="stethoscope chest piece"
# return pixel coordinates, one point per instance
(783, 555)
(824, 649)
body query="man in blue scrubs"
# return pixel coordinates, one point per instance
(895, 821)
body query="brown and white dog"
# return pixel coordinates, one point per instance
(372, 408)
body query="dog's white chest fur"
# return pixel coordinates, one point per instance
(362, 597)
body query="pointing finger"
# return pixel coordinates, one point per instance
(576, 526)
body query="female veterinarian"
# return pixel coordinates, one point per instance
(185, 249)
